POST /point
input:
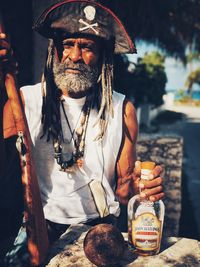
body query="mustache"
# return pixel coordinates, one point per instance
(75, 66)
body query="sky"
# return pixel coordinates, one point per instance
(176, 72)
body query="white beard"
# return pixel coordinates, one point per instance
(75, 83)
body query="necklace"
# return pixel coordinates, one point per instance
(79, 140)
(68, 124)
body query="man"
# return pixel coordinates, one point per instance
(84, 134)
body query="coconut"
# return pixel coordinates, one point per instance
(104, 245)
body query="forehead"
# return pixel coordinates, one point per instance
(81, 40)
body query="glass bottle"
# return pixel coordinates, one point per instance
(145, 220)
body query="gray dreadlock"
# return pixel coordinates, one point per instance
(51, 96)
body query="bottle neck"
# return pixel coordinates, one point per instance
(145, 176)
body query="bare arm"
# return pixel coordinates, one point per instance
(128, 169)
(127, 155)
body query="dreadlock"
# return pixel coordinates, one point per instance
(105, 93)
(51, 99)
(51, 96)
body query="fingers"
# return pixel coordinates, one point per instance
(153, 190)
(154, 194)
(156, 171)
(152, 183)
(5, 49)
(3, 53)
(136, 177)
(137, 168)
(157, 197)
(2, 35)
(4, 41)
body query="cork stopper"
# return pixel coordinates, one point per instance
(148, 165)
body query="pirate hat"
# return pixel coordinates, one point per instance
(84, 17)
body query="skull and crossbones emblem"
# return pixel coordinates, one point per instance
(90, 13)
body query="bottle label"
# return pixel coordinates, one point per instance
(145, 173)
(146, 232)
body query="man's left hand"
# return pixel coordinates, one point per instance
(151, 189)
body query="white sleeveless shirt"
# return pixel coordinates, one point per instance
(66, 197)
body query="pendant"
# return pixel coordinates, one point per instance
(79, 162)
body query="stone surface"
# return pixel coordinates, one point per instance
(182, 252)
(167, 151)
(68, 252)
(189, 129)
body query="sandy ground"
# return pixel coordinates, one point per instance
(189, 128)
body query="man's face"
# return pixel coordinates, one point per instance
(78, 68)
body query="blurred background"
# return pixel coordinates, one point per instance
(162, 80)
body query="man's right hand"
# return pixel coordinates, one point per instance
(5, 56)
(5, 48)
(7, 61)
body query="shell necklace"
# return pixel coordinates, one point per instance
(77, 135)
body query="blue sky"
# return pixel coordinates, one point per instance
(176, 72)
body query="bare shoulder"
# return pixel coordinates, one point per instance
(128, 105)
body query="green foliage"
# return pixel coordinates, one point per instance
(146, 84)
(192, 56)
(186, 99)
(154, 58)
(149, 84)
(193, 77)
(181, 93)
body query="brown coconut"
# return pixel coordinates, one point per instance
(104, 245)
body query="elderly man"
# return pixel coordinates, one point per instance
(83, 133)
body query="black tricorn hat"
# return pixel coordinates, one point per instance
(84, 17)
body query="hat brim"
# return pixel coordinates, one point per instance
(70, 16)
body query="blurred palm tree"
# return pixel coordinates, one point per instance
(193, 77)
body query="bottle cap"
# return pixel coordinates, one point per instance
(148, 165)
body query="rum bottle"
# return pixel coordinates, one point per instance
(145, 220)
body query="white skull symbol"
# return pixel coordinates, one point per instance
(90, 12)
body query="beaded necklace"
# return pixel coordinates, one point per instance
(78, 135)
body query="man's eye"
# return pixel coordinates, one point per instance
(68, 44)
(87, 47)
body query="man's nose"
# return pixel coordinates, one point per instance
(75, 53)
